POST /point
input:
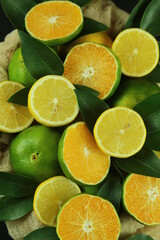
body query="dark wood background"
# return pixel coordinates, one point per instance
(5, 28)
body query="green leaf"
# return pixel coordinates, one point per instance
(20, 97)
(149, 109)
(39, 59)
(154, 75)
(135, 17)
(15, 185)
(111, 190)
(92, 26)
(14, 208)
(46, 233)
(87, 89)
(144, 163)
(16, 11)
(78, 2)
(91, 107)
(150, 19)
(140, 237)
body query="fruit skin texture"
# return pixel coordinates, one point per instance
(131, 91)
(98, 37)
(33, 153)
(17, 70)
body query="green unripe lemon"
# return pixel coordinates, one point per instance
(33, 153)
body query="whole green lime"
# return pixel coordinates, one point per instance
(33, 153)
(17, 70)
(131, 91)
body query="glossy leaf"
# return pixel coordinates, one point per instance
(144, 162)
(135, 16)
(46, 233)
(20, 97)
(91, 107)
(92, 26)
(149, 109)
(140, 237)
(87, 89)
(39, 59)
(14, 208)
(14, 185)
(150, 19)
(16, 11)
(78, 2)
(111, 190)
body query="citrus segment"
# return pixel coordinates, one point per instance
(141, 196)
(94, 66)
(14, 118)
(54, 22)
(120, 132)
(80, 157)
(98, 37)
(88, 217)
(137, 50)
(50, 196)
(52, 101)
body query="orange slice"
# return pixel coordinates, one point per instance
(88, 217)
(80, 157)
(14, 118)
(54, 22)
(94, 66)
(141, 198)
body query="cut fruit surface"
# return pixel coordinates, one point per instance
(88, 217)
(52, 101)
(94, 66)
(54, 22)
(14, 118)
(80, 157)
(141, 198)
(137, 50)
(50, 196)
(120, 132)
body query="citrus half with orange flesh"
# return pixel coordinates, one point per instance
(88, 217)
(79, 156)
(94, 66)
(141, 198)
(54, 22)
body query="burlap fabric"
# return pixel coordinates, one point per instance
(108, 13)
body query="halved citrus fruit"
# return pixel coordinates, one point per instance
(50, 196)
(79, 156)
(97, 37)
(14, 118)
(94, 66)
(52, 101)
(54, 22)
(120, 132)
(88, 217)
(141, 198)
(137, 50)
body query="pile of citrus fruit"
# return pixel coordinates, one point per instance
(54, 146)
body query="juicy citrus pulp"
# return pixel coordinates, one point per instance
(98, 37)
(50, 196)
(17, 71)
(95, 66)
(79, 156)
(131, 91)
(120, 132)
(14, 118)
(141, 198)
(137, 50)
(54, 22)
(88, 217)
(34, 153)
(52, 101)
